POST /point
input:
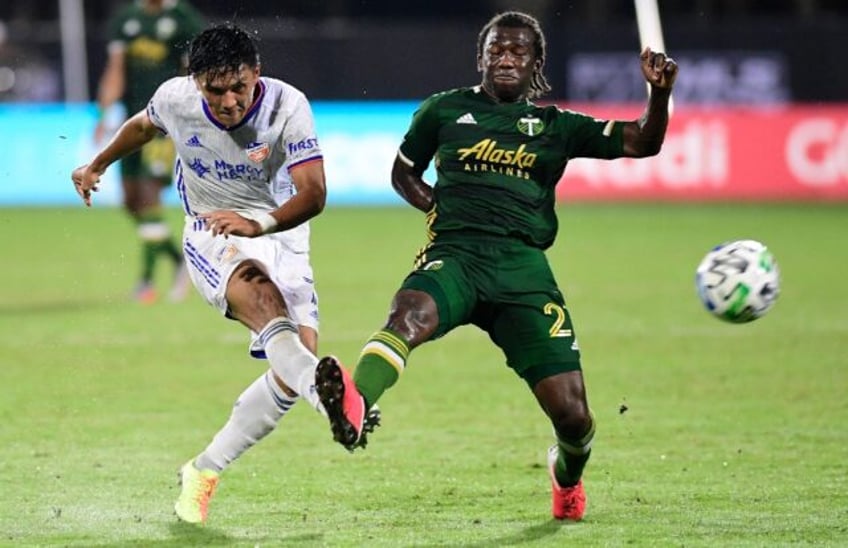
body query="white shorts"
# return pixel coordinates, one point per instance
(211, 261)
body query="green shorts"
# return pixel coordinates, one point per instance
(154, 161)
(507, 289)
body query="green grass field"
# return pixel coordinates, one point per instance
(734, 435)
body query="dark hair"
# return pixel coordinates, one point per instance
(222, 49)
(516, 19)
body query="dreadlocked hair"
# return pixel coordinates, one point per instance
(220, 50)
(516, 19)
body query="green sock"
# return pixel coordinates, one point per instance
(573, 456)
(381, 362)
(155, 239)
(170, 249)
(148, 259)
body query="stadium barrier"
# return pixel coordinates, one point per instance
(711, 154)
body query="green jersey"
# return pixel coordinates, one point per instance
(155, 45)
(498, 164)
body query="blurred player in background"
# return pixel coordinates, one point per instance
(245, 143)
(490, 217)
(147, 45)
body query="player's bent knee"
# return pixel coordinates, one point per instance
(572, 421)
(413, 315)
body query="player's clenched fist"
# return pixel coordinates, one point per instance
(659, 70)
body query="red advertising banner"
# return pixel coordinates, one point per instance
(724, 153)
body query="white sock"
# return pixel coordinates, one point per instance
(255, 415)
(291, 360)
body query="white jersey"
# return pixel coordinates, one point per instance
(244, 168)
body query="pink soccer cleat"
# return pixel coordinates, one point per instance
(566, 502)
(344, 404)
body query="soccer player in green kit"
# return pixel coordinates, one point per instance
(490, 217)
(147, 46)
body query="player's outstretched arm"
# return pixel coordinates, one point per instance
(411, 186)
(644, 137)
(131, 136)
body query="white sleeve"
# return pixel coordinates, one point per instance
(299, 139)
(157, 108)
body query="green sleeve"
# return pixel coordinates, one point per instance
(191, 24)
(194, 22)
(422, 138)
(594, 138)
(116, 27)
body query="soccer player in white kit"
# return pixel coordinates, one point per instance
(250, 175)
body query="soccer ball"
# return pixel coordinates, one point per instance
(738, 281)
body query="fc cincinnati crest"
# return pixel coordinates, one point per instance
(226, 254)
(257, 151)
(531, 126)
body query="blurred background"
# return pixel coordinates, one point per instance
(735, 51)
(758, 77)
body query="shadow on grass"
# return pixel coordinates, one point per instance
(524, 536)
(187, 534)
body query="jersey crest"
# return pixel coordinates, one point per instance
(530, 126)
(257, 151)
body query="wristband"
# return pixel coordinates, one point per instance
(266, 221)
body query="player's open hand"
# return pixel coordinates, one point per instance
(85, 182)
(660, 71)
(231, 223)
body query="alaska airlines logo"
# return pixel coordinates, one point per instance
(487, 151)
